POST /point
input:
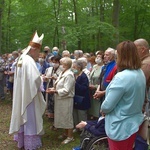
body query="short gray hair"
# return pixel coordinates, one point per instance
(79, 64)
(66, 53)
(84, 61)
(79, 52)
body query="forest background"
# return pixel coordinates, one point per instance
(89, 25)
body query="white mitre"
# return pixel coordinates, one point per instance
(36, 42)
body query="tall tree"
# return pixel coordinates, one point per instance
(88, 25)
(1, 13)
(99, 35)
(8, 45)
(115, 19)
(57, 7)
(76, 21)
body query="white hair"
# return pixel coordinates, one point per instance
(55, 49)
(83, 60)
(66, 53)
(111, 50)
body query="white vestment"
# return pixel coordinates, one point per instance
(27, 82)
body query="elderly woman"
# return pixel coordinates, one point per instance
(94, 82)
(51, 74)
(85, 70)
(82, 91)
(63, 106)
(124, 99)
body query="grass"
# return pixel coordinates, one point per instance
(49, 139)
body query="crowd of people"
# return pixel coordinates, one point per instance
(71, 88)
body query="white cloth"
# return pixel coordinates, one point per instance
(50, 72)
(27, 82)
(63, 106)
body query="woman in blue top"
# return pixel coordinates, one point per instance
(124, 99)
(81, 90)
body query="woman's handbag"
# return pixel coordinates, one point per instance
(11, 79)
(78, 100)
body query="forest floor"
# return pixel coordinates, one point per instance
(49, 139)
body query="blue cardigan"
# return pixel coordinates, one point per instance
(123, 104)
(82, 89)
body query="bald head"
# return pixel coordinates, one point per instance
(142, 42)
(46, 50)
(142, 46)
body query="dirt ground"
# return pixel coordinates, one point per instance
(5, 139)
(49, 139)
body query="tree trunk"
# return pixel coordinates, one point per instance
(115, 19)
(135, 22)
(1, 12)
(56, 33)
(8, 26)
(102, 2)
(76, 21)
(99, 35)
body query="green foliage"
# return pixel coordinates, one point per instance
(134, 20)
(73, 23)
